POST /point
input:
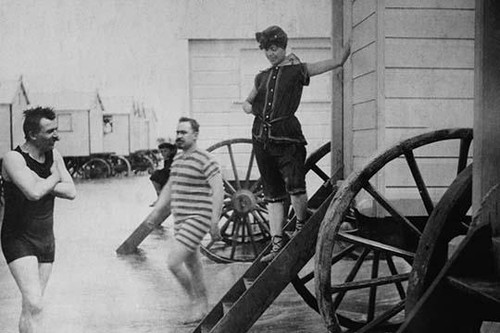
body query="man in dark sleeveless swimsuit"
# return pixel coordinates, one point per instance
(34, 174)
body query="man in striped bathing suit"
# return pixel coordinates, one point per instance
(194, 193)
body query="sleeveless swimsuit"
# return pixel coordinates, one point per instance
(27, 228)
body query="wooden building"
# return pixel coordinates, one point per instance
(13, 101)
(139, 128)
(411, 71)
(116, 124)
(80, 121)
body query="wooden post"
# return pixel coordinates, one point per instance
(337, 120)
(487, 114)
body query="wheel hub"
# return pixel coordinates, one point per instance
(244, 201)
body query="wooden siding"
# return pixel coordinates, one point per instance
(364, 80)
(412, 72)
(429, 84)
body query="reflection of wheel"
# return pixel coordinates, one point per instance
(96, 168)
(119, 165)
(366, 291)
(244, 223)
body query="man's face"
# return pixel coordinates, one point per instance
(275, 54)
(46, 138)
(186, 137)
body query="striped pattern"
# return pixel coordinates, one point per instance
(192, 196)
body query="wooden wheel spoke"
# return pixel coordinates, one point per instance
(306, 278)
(350, 277)
(228, 187)
(390, 208)
(250, 235)
(342, 254)
(464, 154)
(261, 222)
(374, 245)
(233, 165)
(249, 170)
(234, 240)
(226, 224)
(320, 173)
(382, 318)
(373, 288)
(369, 283)
(419, 181)
(394, 271)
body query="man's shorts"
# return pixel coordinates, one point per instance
(15, 248)
(191, 231)
(282, 169)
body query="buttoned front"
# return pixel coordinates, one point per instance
(279, 90)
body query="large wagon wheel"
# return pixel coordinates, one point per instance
(448, 220)
(96, 168)
(374, 256)
(119, 165)
(244, 223)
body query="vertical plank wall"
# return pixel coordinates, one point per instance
(412, 73)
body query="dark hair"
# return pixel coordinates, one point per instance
(194, 124)
(273, 35)
(168, 145)
(32, 119)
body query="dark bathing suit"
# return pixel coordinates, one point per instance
(27, 228)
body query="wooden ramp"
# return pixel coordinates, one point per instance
(259, 286)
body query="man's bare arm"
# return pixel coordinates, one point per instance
(217, 202)
(66, 187)
(31, 185)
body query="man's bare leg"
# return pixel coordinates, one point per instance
(26, 272)
(177, 256)
(194, 266)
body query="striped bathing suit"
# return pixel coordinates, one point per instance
(191, 196)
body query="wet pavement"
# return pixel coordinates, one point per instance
(92, 289)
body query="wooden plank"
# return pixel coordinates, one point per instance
(213, 77)
(231, 91)
(435, 171)
(364, 60)
(425, 53)
(429, 23)
(200, 62)
(429, 83)
(362, 9)
(364, 116)
(365, 143)
(442, 4)
(364, 88)
(364, 33)
(442, 113)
